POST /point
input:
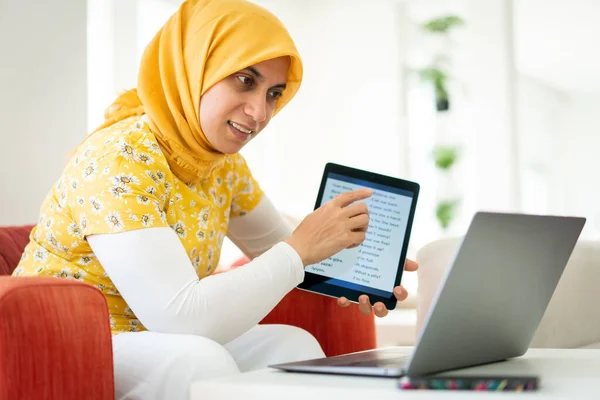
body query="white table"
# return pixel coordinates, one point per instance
(564, 374)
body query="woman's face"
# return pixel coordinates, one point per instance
(237, 108)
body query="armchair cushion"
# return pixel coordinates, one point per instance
(12, 242)
(55, 340)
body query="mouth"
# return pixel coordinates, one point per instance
(241, 128)
(240, 131)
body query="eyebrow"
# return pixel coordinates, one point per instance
(258, 75)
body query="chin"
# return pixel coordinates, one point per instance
(231, 148)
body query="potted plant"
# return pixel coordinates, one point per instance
(435, 73)
(438, 78)
(445, 156)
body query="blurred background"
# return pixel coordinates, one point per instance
(487, 104)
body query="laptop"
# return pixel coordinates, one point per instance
(488, 305)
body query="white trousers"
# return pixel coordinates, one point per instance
(151, 365)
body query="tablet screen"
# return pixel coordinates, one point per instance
(372, 266)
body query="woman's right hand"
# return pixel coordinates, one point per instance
(338, 224)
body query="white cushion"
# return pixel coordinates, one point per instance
(591, 346)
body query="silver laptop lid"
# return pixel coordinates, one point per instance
(494, 294)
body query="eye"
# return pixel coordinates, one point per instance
(245, 80)
(275, 94)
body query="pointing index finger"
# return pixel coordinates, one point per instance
(348, 198)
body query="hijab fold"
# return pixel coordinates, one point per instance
(202, 43)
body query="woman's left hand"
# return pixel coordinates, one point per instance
(364, 303)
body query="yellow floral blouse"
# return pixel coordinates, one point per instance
(117, 181)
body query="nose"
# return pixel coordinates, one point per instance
(256, 107)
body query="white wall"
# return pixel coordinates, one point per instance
(489, 69)
(559, 139)
(113, 59)
(42, 99)
(579, 160)
(555, 42)
(539, 113)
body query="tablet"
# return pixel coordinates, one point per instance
(375, 266)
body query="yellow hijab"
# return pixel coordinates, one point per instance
(202, 43)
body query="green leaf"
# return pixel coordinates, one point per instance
(445, 156)
(438, 78)
(432, 74)
(443, 24)
(445, 212)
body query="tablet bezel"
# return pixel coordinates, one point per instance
(318, 283)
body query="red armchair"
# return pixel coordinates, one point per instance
(55, 339)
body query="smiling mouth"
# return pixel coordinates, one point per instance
(241, 128)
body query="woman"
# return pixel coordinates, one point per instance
(143, 206)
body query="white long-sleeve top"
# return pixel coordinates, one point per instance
(153, 273)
